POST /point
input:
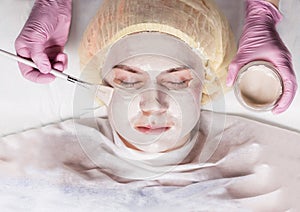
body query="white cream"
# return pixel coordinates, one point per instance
(258, 87)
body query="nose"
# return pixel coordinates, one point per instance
(153, 102)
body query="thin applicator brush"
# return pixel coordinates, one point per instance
(103, 93)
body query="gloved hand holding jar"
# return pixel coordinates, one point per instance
(260, 41)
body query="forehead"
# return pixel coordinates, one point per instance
(132, 48)
(150, 63)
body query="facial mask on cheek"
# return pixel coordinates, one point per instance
(154, 120)
(190, 108)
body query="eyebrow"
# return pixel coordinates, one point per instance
(126, 68)
(177, 69)
(132, 70)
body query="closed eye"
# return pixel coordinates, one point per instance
(175, 78)
(128, 77)
(173, 85)
(124, 84)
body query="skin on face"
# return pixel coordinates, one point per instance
(154, 92)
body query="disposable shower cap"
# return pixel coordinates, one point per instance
(198, 23)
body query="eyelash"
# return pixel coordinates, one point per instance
(129, 84)
(178, 85)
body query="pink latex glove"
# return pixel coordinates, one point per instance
(260, 41)
(43, 38)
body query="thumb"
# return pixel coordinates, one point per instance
(289, 91)
(42, 62)
(233, 70)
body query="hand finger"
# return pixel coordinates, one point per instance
(24, 69)
(38, 77)
(35, 75)
(42, 62)
(23, 52)
(58, 66)
(289, 90)
(233, 70)
(62, 58)
(21, 48)
(39, 58)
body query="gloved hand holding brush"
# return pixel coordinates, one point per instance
(43, 38)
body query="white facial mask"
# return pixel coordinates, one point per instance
(155, 118)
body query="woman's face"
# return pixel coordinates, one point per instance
(156, 103)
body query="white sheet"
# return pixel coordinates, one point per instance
(24, 104)
(71, 166)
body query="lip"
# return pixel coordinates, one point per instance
(152, 129)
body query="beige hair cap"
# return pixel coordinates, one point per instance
(198, 23)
